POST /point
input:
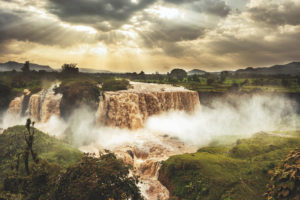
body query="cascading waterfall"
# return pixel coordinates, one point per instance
(126, 109)
(40, 107)
(130, 108)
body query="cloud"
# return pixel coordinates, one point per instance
(214, 7)
(104, 15)
(25, 26)
(275, 13)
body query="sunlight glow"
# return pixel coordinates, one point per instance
(99, 50)
(80, 28)
(166, 13)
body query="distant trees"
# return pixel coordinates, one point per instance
(70, 68)
(178, 73)
(26, 67)
(285, 83)
(223, 76)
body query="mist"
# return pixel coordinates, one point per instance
(241, 116)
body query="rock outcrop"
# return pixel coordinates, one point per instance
(130, 108)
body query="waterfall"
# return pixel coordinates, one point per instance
(40, 107)
(130, 108)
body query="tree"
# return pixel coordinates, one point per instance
(178, 73)
(69, 68)
(29, 138)
(210, 81)
(25, 67)
(223, 76)
(98, 178)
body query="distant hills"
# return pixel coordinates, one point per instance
(196, 72)
(292, 68)
(88, 70)
(11, 65)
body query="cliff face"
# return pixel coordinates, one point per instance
(129, 109)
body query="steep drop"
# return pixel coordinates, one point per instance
(130, 108)
(40, 107)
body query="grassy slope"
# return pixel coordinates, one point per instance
(49, 148)
(239, 171)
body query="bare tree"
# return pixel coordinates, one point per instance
(29, 138)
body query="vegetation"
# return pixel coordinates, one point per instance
(26, 68)
(62, 172)
(70, 68)
(13, 145)
(98, 178)
(285, 181)
(76, 94)
(238, 171)
(13, 84)
(114, 85)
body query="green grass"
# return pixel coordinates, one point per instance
(238, 171)
(47, 147)
(269, 84)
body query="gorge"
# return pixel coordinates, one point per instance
(148, 123)
(128, 109)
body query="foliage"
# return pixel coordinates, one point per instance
(239, 171)
(76, 94)
(26, 68)
(285, 180)
(115, 84)
(48, 148)
(178, 73)
(97, 178)
(70, 68)
(60, 174)
(6, 94)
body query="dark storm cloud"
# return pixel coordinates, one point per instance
(167, 34)
(255, 51)
(277, 14)
(101, 14)
(23, 26)
(214, 7)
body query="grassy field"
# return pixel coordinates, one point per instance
(238, 171)
(269, 84)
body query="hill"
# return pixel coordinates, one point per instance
(47, 147)
(238, 171)
(12, 65)
(197, 72)
(292, 69)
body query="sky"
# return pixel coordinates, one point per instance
(151, 35)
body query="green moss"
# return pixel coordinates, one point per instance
(238, 171)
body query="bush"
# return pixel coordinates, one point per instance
(76, 94)
(114, 85)
(98, 178)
